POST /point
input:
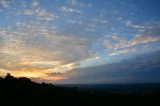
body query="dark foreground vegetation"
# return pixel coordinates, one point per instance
(24, 92)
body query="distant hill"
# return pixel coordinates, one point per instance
(24, 92)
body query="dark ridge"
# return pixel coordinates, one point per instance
(24, 92)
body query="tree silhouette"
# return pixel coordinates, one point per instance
(9, 77)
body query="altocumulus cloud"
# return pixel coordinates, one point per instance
(51, 40)
(146, 35)
(39, 48)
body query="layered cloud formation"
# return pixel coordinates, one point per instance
(35, 48)
(141, 69)
(70, 41)
(146, 35)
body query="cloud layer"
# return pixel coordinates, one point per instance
(75, 40)
(141, 69)
(147, 35)
(37, 48)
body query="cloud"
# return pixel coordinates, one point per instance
(38, 12)
(75, 21)
(114, 42)
(28, 12)
(39, 37)
(119, 19)
(123, 51)
(144, 39)
(151, 33)
(124, 72)
(69, 10)
(118, 44)
(78, 3)
(128, 23)
(31, 49)
(34, 3)
(100, 21)
(54, 74)
(73, 2)
(4, 3)
(93, 58)
(42, 14)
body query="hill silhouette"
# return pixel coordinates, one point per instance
(24, 92)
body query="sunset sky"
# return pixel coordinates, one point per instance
(81, 41)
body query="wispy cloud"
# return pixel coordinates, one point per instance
(45, 40)
(28, 12)
(42, 14)
(123, 51)
(40, 49)
(120, 45)
(4, 3)
(130, 24)
(38, 12)
(69, 10)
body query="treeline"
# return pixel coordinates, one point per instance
(24, 92)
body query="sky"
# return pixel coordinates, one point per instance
(81, 41)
